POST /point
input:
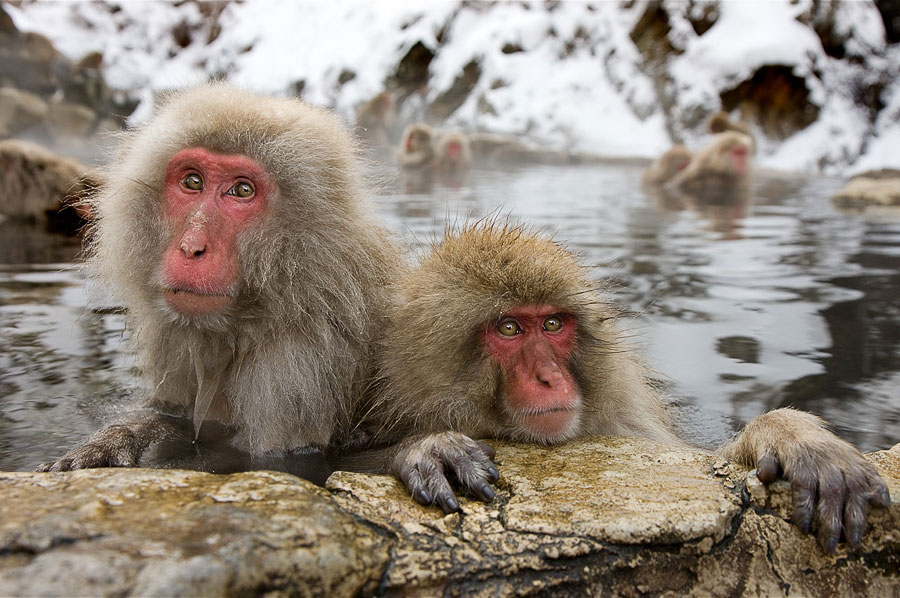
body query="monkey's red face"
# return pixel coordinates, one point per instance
(209, 199)
(739, 159)
(532, 346)
(454, 150)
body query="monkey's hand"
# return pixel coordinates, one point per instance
(426, 465)
(832, 484)
(113, 446)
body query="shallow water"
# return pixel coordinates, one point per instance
(738, 308)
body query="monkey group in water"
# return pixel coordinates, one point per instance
(265, 298)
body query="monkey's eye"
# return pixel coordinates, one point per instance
(508, 328)
(192, 182)
(553, 324)
(243, 190)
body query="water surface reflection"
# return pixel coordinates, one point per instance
(779, 300)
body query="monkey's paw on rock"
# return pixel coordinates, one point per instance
(611, 516)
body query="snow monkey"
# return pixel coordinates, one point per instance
(375, 119)
(500, 333)
(720, 122)
(720, 168)
(417, 149)
(453, 152)
(669, 164)
(234, 231)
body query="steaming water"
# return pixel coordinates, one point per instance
(739, 309)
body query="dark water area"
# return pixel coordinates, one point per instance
(739, 308)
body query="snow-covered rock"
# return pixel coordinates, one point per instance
(817, 81)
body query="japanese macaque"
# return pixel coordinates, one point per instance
(720, 168)
(500, 333)
(375, 119)
(417, 149)
(720, 122)
(453, 152)
(234, 231)
(664, 168)
(38, 185)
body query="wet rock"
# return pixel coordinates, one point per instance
(874, 188)
(604, 516)
(47, 97)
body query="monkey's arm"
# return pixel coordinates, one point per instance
(831, 482)
(426, 463)
(117, 445)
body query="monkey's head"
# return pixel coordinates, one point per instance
(201, 213)
(719, 122)
(454, 150)
(734, 152)
(418, 137)
(489, 331)
(675, 160)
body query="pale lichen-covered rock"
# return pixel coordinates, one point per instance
(604, 516)
(145, 532)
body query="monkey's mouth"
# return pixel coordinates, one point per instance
(190, 302)
(551, 425)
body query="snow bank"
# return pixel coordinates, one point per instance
(577, 82)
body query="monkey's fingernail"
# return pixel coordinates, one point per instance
(486, 493)
(493, 474)
(423, 497)
(451, 505)
(855, 538)
(830, 544)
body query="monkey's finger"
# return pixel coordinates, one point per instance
(477, 477)
(855, 508)
(803, 493)
(830, 510)
(493, 474)
(881, 497)
(437, 485)
(416, 486)
(487, 449)
(474, 476)
(442, 492)
(43, 467)
(64, 464)
(768, 468)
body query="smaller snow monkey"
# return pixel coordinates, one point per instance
(233, 229)
(500, 333)
(669, 164)
(417, 149)
(721, 167)
(453, 152)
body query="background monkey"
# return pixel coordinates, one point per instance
(499, 333)
(453, 152)
(720, 122)
(669, 164)
(376, 118)
(233, 229)
(722, 167)
(417, 149)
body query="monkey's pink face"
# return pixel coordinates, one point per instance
(532, 345)
(209, 199)
(739, 155)
(454, 150)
